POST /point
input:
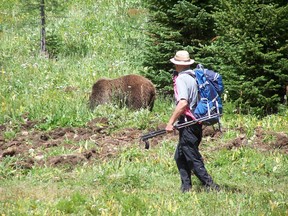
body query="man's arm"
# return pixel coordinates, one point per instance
(179, 109)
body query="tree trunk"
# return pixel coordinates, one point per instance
(43, 31)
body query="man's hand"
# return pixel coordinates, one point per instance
(169, 128)
(180, 108)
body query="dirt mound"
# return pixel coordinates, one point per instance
(261, 140)
(33, 147)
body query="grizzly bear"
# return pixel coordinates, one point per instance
(133, 91)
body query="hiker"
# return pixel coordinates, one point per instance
(187, 155)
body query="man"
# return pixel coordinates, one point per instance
(187, 155)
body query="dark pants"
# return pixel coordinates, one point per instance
(188, 157)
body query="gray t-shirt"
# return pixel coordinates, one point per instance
(186, 86)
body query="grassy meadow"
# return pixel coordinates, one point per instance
(104, 38)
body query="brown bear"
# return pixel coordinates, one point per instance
(133, 91)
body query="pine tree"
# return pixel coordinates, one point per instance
(251, 52)
(175, 25)
(49, 42)
(250, 49)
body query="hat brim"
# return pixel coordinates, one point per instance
(190, 62)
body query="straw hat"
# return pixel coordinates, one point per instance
(182, 58)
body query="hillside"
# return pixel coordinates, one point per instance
(57, 157)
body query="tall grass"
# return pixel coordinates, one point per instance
(105, 38)
(100, 39)
(141, 182)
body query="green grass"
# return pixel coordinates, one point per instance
(147, 182)
(40, 87)
(105, 38)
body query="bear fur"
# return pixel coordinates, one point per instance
(133, 91)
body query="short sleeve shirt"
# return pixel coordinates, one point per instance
(187, 89)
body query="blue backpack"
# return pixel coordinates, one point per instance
(210, 88)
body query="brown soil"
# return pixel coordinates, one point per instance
(32, 147)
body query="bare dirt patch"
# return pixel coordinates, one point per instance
(262, 140)
(33, 147)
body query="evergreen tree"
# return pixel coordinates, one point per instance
(175, 25)
(251, 52)
(246, 41)
(49, 43)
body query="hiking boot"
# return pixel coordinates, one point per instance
(185, 189)
(212, 187)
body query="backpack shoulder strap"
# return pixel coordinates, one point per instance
(190, 72)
